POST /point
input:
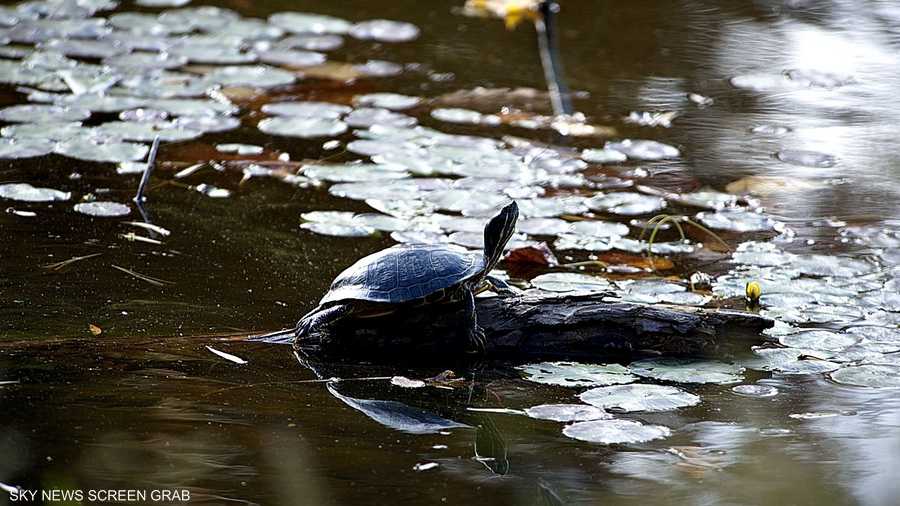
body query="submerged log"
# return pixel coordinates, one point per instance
(551, 325)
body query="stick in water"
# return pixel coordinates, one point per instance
(151, 163)
(548, 45)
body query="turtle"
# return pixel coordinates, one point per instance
(409, 275)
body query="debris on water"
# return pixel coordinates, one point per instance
(869, 375)
(56, 266)
(652, 119)
(24, 192)
(681, 370)
(425, 466)
(775, 130)
(574, 374)
(213, 191)
(814, 415)
(149, 226)
(807, 158)
(700, 100)
(241, 149)
(23, 214)
(131, 168)
(95, 330)
(464, 116)
(143, 277)
(639, 397)
(103, 209)
(379, 68)
(384, 30)
(227, 356)
(755, 390)
(615, 431)
(396, 415)
(132, 237)
(404, 382)
(567, 412)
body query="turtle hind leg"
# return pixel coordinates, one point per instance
(473, 331)
(319, 320)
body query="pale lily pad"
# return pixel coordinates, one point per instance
(384, 30)
(103, 209)
(337, 230)
(162, 3)
(354, 172)
(393, 101)
(257, 76)
(82, 48)
(644, 149)
(145, 61)
(146, 131)
(212, 54)
(707, 199)
(737, 220)
(869, 375)
(241, 149)
(605, 155)
(818, 340)
(312, 42)
(96, 150)
(305, 128)
(207, 18)
(464, 116)
(639, 397)
(615, 431)
(207, 124)
(292, 57)
(41, 113)
(24, 192)
(299, 22)
(324, 110)
(681, 370)
(574, 374)
(567, 412)
(789, 361)
(367, 116)
(543, 226)
(373, 221)
(571, 282)
(379, 68)
(27, 147)
(755, 390)
(624, 203)
(191, 107)
(599, 229)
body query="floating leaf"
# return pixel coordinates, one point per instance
(292, 57)
(818, 340)
(393, 101)
(103, 209)
(574, 374)
(368, 116)
(755, 390)
(25, 147)
(628, 204)
(571, 282)
(303, 23)
(227, 356)
(639, 397)
(643, 149)
(24, 192)
(354, 172)
(302, 127)
(615, 431)
(40, 113)
(404, 382)
(807, 158)
(96, 150)
(567, 412)
(681, 370)
(324, 110)
(789, 361)
(737, 220)
(258, 76)
(868, 375)
(384, 30)
(604, 155)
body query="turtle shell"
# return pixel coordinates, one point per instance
(404, 273)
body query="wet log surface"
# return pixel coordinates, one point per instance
(549, 325)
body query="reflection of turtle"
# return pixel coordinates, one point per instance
(414, 274)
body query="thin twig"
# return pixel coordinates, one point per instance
(144, 277)
(151, 163)
(59, 265)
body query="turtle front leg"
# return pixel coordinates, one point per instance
(319, 319)
(474, 332)
(501, 287)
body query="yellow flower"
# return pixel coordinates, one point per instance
(511, 11)
(754, 292)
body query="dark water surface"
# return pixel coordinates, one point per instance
(145, 405)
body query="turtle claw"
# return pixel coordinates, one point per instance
(477, 341)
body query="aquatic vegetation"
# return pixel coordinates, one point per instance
(615, 431)
(639, 397)
(573, 374)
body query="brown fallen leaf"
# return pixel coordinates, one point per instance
(95, 329)
(539, 254)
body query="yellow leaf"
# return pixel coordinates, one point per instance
(95, 329)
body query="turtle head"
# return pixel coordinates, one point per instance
(497, 233)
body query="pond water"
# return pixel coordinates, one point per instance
(773, 124)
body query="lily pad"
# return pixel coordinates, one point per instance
(681, 370)
(384, 30)
(26, 147)
(146, 131)
(103, 209)
(789, 361)
(312, 42)
(615, 431)
(256, 76)
(393, 101)
(604, 155)
(571, 282)
(818, 340)
(624, 203)
(292, 57)
(354, 172)
(574, 374)
(302, 23)
(24, 192)
(324, 110)
(567, 412)
(96, 150)
(41, 113)
(639, 397)
(755, 390)
(305, 128)
(869, 375)
(368, 116)
(644, 149)
(737, 220)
